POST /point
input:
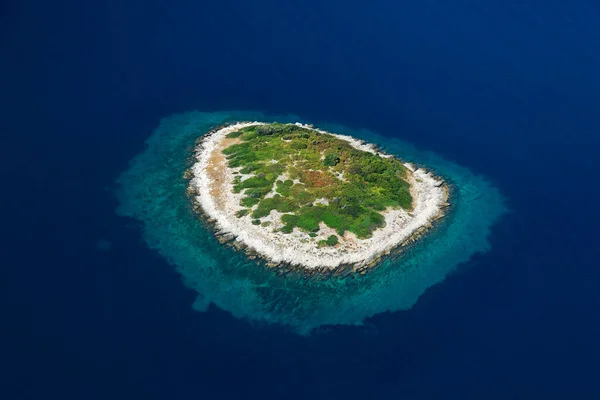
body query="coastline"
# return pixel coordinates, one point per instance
(210, 188)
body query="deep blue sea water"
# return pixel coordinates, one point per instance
(509, 89)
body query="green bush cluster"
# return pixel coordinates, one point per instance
(276, 202)
(332, 240)
(369, 185)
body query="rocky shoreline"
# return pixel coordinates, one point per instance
(431, 199)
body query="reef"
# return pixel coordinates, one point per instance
(159, 191)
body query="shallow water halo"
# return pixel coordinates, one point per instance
(153, 191)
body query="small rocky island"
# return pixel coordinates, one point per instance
(336, 218)
(300, 196)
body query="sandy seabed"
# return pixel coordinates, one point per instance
(212, 183)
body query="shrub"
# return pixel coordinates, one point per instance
(331, 241)
(249, 202)
(331, 160)
(287, 228)
(242, 213)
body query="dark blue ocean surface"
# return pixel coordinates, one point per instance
(509, 89)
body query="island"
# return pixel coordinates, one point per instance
(283, 223)
(296, 195)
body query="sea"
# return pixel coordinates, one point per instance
(509, 89)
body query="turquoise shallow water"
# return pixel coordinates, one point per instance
(152, 191)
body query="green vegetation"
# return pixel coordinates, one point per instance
(332, 240)
(241, 213)
(316, 178)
